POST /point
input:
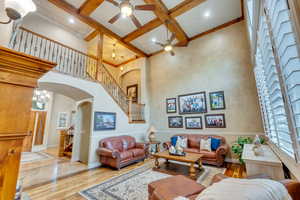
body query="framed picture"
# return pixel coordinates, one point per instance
(132, 91)
(193, 123)
(175, 122)
(217, 100)
(104, 121)
(215, 121)
(171, 105)
(192, 103)
(62, 120)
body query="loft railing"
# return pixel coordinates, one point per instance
(75, 63)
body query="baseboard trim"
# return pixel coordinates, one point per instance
(94, 165)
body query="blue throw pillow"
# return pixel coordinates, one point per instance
(174, 140)
(215, 143)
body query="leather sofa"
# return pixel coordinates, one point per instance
(121, 151)
(172, 187)
(213, 158)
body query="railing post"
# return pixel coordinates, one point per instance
(99, 54)
(130, 108)
(62, 138)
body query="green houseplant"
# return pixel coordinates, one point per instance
(238, 146)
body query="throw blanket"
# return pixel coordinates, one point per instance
(245, 189)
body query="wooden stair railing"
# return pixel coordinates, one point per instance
(75, 63)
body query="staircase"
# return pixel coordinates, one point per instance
(77, 64)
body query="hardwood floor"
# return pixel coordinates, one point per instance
(68, 188)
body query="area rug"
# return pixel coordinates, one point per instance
(34, 156)
(134, 184)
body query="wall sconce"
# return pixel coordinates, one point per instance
(16, 9)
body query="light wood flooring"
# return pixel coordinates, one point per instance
(68, 187)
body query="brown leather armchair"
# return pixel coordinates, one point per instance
(121, 151)
(213, 158)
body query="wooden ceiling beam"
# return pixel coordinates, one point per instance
(91, 36)
(89, 6)
(128, 61)
(62, 4)
(162, 13)
(174, 12)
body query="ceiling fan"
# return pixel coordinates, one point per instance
(126, 10)
(168, 46)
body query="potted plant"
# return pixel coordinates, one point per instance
(238, 146)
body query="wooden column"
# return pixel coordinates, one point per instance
(18, 78)
(99, 53)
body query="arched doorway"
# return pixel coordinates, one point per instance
(82, 132)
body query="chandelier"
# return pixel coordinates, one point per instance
(41, 96)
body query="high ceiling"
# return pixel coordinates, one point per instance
(189, 18)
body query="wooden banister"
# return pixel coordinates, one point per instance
(73, 62)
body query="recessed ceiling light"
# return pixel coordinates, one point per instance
(207, 14)
(71, 20)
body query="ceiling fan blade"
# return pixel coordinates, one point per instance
(145, 7)
(113, 2)
(115, 18)
(158, 43)
(135, 21)
(172, 53)
(172, 37)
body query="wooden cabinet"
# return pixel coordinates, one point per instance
(18, 77)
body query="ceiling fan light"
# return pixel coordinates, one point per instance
(16, 9)
(168, 48)
(126, 10)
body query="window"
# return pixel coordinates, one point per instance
(277, 74)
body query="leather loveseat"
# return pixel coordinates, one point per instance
(174, 186)
(121, 151)
(213, 158)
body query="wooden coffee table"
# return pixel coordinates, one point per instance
(174, 168)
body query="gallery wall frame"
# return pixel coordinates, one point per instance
(62, 120)
(193, 103)
(215, 121)
(217, 100)
(193, 122)
(132, 90)
(171, 105)
(175, 122)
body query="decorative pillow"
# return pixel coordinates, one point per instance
(205, 145)
(174, 140)
(215, 143)
(181, 142)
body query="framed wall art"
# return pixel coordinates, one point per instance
(175, 122)
(104, 121)
(192, 103)
(171, 105)
(62, 120)
(132, 91)
(215, 121)
(217, 100)
(193, 122)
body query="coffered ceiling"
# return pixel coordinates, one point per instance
(189, 18)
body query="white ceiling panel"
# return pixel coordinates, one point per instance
(122, 26)
(145, 42)
(208, 15)
(61, 17)
(76, 3)
(172, 3)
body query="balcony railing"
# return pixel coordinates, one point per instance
(75, 63)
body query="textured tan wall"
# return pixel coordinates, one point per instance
(218, 61)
